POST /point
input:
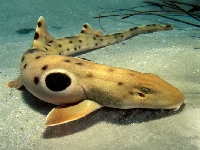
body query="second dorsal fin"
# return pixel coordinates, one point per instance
(87, 29)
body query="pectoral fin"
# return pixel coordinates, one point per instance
(60, 115)
(16, 83)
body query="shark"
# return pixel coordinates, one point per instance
(50, 74)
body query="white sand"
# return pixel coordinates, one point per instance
(169, 54)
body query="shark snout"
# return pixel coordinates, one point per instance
(174, 98)
(159, 94)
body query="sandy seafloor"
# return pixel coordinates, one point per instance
(173, 55)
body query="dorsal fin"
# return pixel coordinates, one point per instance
(41, 36)
(87, 29)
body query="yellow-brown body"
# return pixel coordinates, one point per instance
(62, 80)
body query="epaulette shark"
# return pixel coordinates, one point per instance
(50, 74)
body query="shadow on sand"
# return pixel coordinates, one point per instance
(106, 114)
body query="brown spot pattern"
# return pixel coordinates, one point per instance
(25, 66)
(131, 92)
(39, 24)
(79, 63)
(37, 57)
(90, 75)
(44, 67)
(67, 60)
(131, 74)
(110, 70)
(36, 36)
(22, 59)
(85, 26)
(120, 83)
(168, 26)
(36, 80)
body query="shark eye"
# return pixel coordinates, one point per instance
(145, 90)
(57, 81)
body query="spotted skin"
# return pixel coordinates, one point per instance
(50, 75)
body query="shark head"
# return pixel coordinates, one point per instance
(153, 92)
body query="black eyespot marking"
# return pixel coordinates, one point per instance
(60, 45)
(101, 39)
(36, 80)
(39, 24)
(96, 44)
(79, 63)
(94, 38)
(82, 31)
(145, 90)
(80, 41)
(85, 26)
(36, 36)
(67, 60)
(75, 48)
(68, 49)
(44, 67)
(57, 81)
(25, 66)
(70, 42)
